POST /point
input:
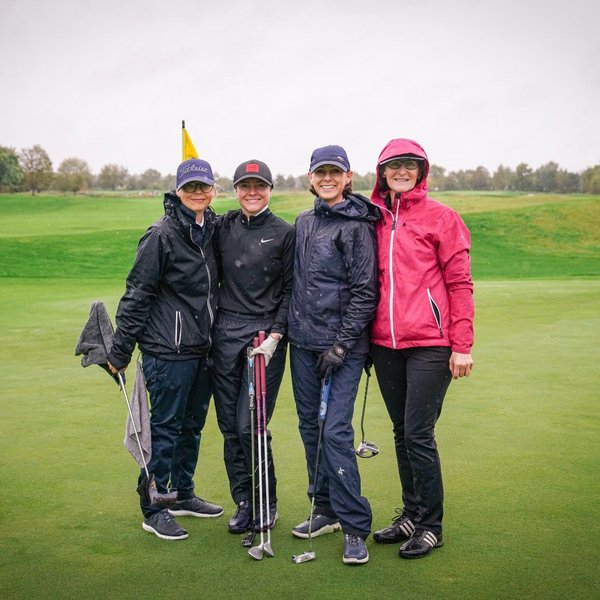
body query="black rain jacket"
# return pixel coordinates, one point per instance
(171, 291)
(335, 288)
(260, 252)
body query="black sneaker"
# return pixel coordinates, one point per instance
(421, 543)
(242, 517)
(163, 525)
(195, 507)
(401, 529)
(355, 550)
(321, 524)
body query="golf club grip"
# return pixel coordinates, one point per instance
(325, 388)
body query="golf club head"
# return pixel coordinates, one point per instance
(256, 552)
(367, 449)
(268, 550)
(248, 539)
(304, 557)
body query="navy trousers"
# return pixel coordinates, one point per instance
(337, 491)
(179, 393)
(231, 338)
(413, 383)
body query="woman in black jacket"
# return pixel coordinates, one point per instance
(168, 310)
(333, 299)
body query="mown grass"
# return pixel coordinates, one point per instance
(518, 440)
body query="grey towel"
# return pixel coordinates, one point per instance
(96, 338)
(141, 421)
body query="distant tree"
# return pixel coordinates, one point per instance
(10, 171)
(73, 175)
(523, 179)
(224, 184)
(546, 177)
(437, 178)
(37, 169)
(480, 179)
(290, 182)
(567, 183)
(279, 181)
(503, 178)
(150, 179)
(112, 177)
(590, 180)
(302, 182)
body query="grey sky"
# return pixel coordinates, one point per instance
(475, 82)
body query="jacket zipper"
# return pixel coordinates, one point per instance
(391, 271)
(436, 313)
(177, 330)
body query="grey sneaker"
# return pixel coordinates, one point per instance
(321, 524)
(163, 525)
(195, 507)
(355, 550)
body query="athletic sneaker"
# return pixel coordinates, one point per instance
(401, 529)
(163, 525)
(355, 550)
(242, 517)
(421, 543)
(321, 524)
(195, 507)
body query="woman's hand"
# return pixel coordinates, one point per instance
(461, 365)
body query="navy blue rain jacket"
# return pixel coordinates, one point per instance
(335, 288)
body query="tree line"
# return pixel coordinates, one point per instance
(32, 170)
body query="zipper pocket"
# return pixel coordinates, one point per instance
(177, 330)
(436, 313)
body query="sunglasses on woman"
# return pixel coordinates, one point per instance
(408, 164)
(192, 186)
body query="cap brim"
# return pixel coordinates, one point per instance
(333, 163)
(402, 157)
(191, 178)
(252, 176)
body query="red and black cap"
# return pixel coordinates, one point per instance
(254, 169)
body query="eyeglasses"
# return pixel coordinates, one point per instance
(408, 164)
(192, 186)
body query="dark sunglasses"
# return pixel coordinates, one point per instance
(408, 164)
(192, 186)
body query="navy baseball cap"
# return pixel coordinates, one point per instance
(329, 155)
(194, 169)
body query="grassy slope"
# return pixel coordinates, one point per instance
(518, 439)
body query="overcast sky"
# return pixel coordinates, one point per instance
(475, 82)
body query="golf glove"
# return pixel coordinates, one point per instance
(331, 360)
(267, 349)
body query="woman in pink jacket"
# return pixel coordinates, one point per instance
(421, 335)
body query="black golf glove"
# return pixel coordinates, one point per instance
(331, 360)
(368, 365)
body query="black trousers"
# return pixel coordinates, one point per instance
(413, 382)
(229, 366)
(179, 398)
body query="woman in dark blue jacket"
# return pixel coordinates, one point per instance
(333, 299)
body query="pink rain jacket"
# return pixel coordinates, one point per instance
(426, 290)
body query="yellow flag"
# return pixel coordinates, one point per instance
(187, 147)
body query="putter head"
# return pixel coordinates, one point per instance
(367, 449)
(256, 552)
(304, 557)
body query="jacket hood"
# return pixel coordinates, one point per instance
(398, 147)
(354, 206)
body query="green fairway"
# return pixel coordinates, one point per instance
(519, 440)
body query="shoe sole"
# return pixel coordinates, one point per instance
(325, 529)
(191, 513)
(355, 561)
(379, 540)
(422, 555)
(162, 536)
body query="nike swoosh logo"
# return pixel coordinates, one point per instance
(265, 241)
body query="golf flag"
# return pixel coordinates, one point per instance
(187, 147)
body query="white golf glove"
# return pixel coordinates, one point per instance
(267, 349)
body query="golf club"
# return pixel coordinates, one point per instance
(153, 495)
(248, 539)
(366, 449)
(260, 373)
(325, 388)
